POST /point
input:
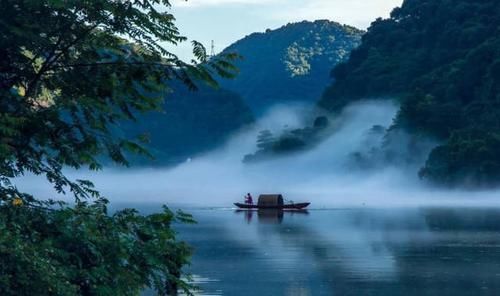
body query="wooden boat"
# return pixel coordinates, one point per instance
(293, 206)
(272, 201)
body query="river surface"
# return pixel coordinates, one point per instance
(421, 251)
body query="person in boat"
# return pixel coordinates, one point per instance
(249, 199)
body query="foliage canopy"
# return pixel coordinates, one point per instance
(442, 59)
(70, 72)
(73, 69)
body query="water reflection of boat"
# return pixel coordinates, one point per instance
(273, 201)
(270, 216)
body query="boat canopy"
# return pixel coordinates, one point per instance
(270, 200)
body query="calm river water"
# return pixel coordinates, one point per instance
(426, 251)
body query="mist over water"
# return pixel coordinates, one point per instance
(324, 175)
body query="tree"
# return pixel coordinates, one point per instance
(70, 72)
(265, 139)
(441, 60)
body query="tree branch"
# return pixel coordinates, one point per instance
(54, 57)
(112, 64)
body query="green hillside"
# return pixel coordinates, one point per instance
(441, 59)
(193, 122)
(291, 63)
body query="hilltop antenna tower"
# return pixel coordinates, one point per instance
(212, 49)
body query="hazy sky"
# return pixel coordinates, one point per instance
(226, 21)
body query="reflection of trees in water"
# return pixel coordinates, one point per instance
(341, 263)
(356, 252)
(445, 252)
(460, 257)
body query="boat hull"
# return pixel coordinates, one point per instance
(295, 206)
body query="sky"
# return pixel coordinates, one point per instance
(226, 21)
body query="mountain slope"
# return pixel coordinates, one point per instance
(193, 122)
(441, 58)
(291, 63)
(284, 65)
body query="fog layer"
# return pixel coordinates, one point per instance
(323, 175)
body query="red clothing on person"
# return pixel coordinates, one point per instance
(248, 199)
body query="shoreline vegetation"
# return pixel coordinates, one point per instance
(71, 72)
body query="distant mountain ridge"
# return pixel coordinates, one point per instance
(290, 64)
(193, 122)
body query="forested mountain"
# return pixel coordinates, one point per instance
(441, 59)
(284, 65)
(291, 63)
(192, 122)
